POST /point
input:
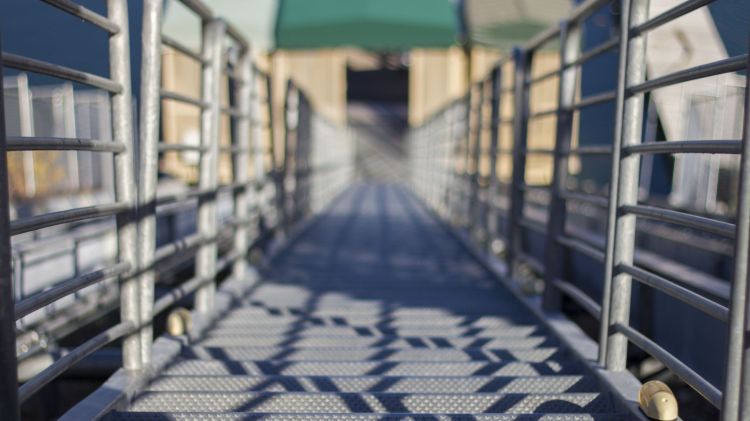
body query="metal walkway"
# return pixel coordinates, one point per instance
(375, 310)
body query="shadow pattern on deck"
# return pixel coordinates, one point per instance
(376, 312)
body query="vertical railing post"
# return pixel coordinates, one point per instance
(466, 176)
(474, 188)
(490, 218)
(557, 209)
(623, 188)
(736, 402)
(450, 163)
(122, 125)
(258, 154)
(241, 174)
(290, 107)
(205, 266)
(8, 364)
(148, 166)
(522, 59)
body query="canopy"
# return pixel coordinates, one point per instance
(369, 24)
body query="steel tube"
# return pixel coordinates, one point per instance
(492, 216)
(520, 127)
(241, 172)
(725, 229)
(701, 385)
(713, 309)
(592, 100)
(581, 247)
(46, 220)
(731, 64)
(669, 15)
(122, 124)
(620, 238)
(736, 405)
(150, 117)
(18, 143)
(602, 48)
(688, 146)
(74, 356)
(86, 14)
(181, 48)
(175, 96)
(205, 266)
(64, 288)
(587, 303)
(18, 62)
(9, 405)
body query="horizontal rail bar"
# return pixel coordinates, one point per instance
(199, 8)
(534, 188)
(37, 301)
(581, 298)
(543, 113)
(713, 309)
(179, 147)
(581, 247)
(731, 64)
(539, 151)
(76, 355)
(669, 15)
(593, 52)
(589, 150)
(169, 250)
(542, 38)
(725, 229)
(86, 14)
(533, 225)
(166, 199)
(174, 96)
(588, 198)
(181, 48)
(33, 223)
(179, 292)
(706, 389)
(19, 143)
(592, 100)
(687, 146)
(44, 68)
(236, 35)
(543, 77)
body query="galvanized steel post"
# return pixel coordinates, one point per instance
(122, 127)
(8, 364)
(491, 217)
(557, 209)
(240, 171)
(476, 153)
(150, 111)
(205, 266)
(623, 187)
(522, 60)
(736, 399)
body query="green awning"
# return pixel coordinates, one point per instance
(369, 24)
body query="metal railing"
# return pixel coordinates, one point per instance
(463, 170)
(265, 197)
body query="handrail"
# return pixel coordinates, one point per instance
(256, 197)
(457, 187)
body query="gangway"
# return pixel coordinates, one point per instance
(410, 300)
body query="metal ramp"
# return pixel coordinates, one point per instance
(375, 310)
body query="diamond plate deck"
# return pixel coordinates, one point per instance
(375, 313)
